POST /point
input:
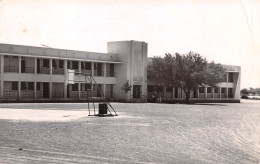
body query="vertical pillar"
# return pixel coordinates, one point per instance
(173, 92)
(206, 92)
(50, 61)
(19, 64)
(2, 76)
(50, 84)
(220, 92)
(19, 80)
(65, 80)
(213, 92)
(198, 92)
(79, 66)
(35, 66)
(227, 85)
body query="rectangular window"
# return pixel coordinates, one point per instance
(75, 87)
(216, 90)
(88, 65)
(82, 65)
(14, 85)
(223, 90)
(61, 62)
(150, 88)
(201, 89)
(208, 90)
(23, 86)
(54, 64)
(87, 87)
(75, 65)
(30, 86)
(46, 63)
(168, 89)
(230, 77)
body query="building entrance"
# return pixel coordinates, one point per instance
(45, 90)
(137, 91)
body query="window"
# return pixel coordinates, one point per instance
(87, 87)
(230, 77)
(75, 65)
(168, 89)
(150, 88)
(82, 65)
(23, 86)
(201, 89)
(61, 63)
(208, 90)
(30, 86)
(54, 64)
(216, 90)
(14, 85)
(223, 90)
(88, 65)
(75, 87)
(46, 63)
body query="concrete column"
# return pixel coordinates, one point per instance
(50, 84)
(220, 92)
(19, 64)
(2, 76)
(79, 66)
(65, 65)
(50, 61)
(227, 86)
(213, 92)
(173, 92)
(164, 92)
(198, 93)
(79, 87)
(35, 66)
(105, 69)
(205, 92)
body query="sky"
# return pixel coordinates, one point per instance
(226, 31)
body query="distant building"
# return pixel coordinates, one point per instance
(40, 74)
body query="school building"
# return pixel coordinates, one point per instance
(39, 74)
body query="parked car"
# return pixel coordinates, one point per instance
(254, 97)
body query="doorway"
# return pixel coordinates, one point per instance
(137, 91)
(45, 90)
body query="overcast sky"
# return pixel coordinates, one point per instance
(226, 31)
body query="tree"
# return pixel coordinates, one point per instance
(192, 71)
(155, 72)
(244, 91)
(126, 87)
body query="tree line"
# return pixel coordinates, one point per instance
(186, 71)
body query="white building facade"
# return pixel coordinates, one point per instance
(37, 74)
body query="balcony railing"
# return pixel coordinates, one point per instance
(98, 73)
(88, 94)
(11, 69)
(27, 70)
(27, 94)
(86, 71)
(57, 94)
(59, 71)
(110, 74)
(11, 94)
(44, 71)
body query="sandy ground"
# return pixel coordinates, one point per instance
(142, 133)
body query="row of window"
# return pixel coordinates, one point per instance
(151, 88)
(30, 86)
